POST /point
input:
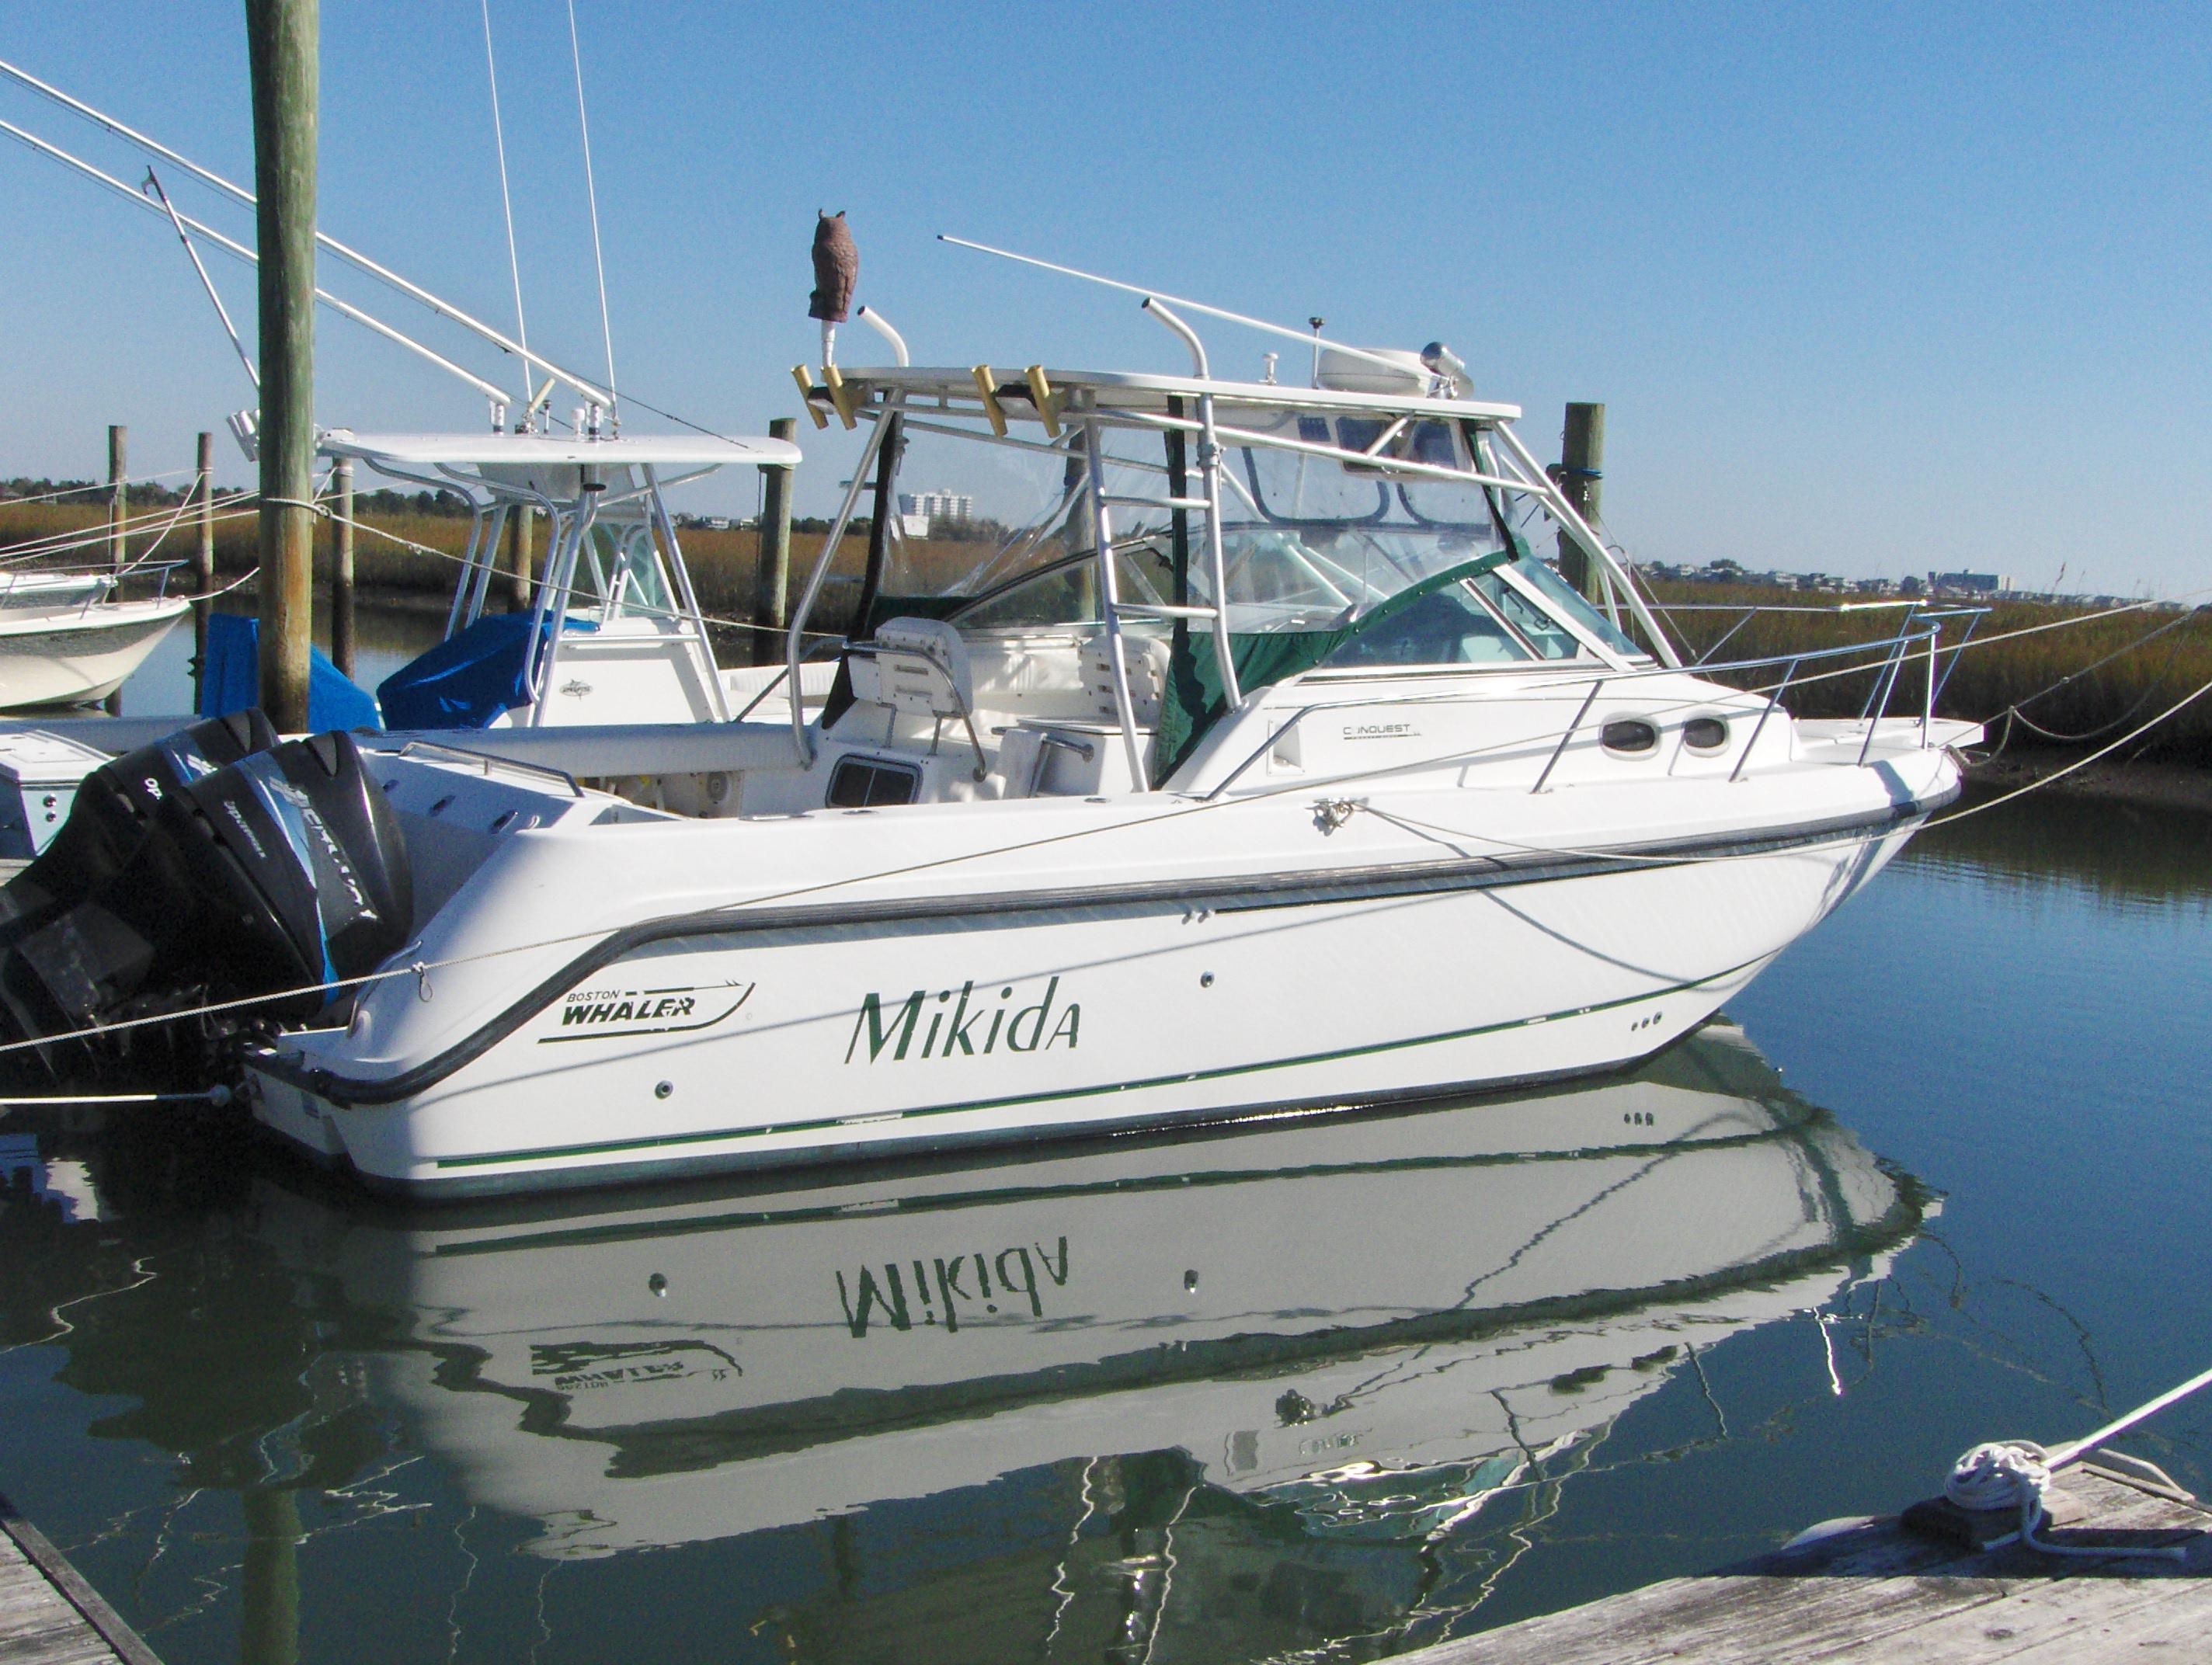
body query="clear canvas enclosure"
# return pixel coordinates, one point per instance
(1252, 532)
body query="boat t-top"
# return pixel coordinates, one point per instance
(615, 633)
(1262, 762)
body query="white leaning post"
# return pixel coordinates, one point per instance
(561, 585)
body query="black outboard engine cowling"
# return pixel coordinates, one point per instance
(116, 805)
(303, 874)
(281, 873)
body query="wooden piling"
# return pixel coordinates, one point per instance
(118, 496)
(118, 515)
(772, 575)
(342, 638)
(282, 46)
(204, 556)
(518, 598)
(268, 1583)
(1582, 473)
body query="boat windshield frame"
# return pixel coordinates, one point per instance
(1201, 422)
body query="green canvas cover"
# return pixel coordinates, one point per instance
(1195, 700)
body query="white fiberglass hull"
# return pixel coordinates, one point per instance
(1101, 975)
(73, 658)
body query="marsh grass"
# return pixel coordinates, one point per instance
(2000, 668)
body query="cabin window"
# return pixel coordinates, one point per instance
(1551, 639)
(1705, 734)
(867, 783)
(1564, 597)
(1630, 735)
(1445, 627)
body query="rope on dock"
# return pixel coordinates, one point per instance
(2016, 1474)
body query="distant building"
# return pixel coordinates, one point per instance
(1968, 583)
(936, 509)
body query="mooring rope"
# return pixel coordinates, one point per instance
(2016, 1475)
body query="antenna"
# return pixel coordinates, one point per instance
(592, 194)
(1177, 300)
(1317, 321)
(507, 202)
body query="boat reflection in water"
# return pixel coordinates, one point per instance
(1240, 1385)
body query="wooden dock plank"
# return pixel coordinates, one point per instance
(1874, 1593)
(49, 1615)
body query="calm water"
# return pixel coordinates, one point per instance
(1330, 1389)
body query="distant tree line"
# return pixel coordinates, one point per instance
(152, 494)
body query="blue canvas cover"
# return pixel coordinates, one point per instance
(466, 680)
(230, 679)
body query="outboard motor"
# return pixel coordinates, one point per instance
(280, 874)
(114, 810)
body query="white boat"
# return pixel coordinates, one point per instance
(68, 638)
(1379, 1330)
(1071, 847)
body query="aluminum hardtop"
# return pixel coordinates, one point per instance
(1138, 391)
(686, 451)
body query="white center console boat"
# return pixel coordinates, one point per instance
(616, 633)
(1268, 765)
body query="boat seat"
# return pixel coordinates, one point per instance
(920, 666)
(1146, 660)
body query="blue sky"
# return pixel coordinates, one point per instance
(1870, 289)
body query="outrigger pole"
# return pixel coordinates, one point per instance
(352, 256)
(184, 223)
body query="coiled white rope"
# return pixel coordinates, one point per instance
(2002, 1474)
(2016, 1474)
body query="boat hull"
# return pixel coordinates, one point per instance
(1070, 1012)
(72, 659)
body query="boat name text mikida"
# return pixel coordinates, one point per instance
(967, 1029)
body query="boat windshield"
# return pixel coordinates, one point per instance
(619, 572)
(1309, 542)
(1342, 543)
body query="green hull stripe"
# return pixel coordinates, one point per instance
(663, 1140)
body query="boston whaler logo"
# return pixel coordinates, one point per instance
(971, 1028)
(593, 1014)
(581, 1366)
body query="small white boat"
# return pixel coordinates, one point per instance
(1385, 1324)
(1268, 765)
(68, 638)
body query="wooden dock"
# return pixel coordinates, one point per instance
(1877, 1592)
(48, 1614)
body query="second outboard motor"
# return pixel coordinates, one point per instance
(115, 808)
(281, 873)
